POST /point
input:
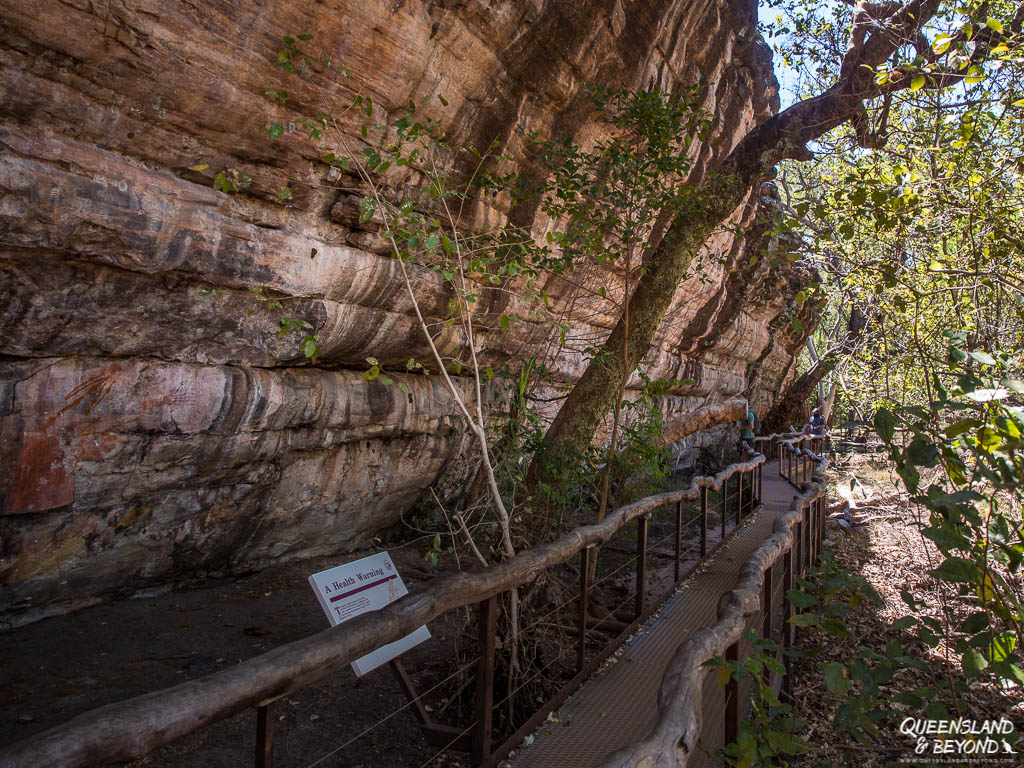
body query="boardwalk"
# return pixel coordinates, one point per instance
(618, 706)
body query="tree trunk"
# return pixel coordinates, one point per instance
(786, 410)
(877, 32)
(830, 399)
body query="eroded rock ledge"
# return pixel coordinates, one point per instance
(154, 432)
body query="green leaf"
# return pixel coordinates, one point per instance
(983, 358)
(804, 619)
(885, 424)
(917, 83)
(284, 194)
(835, 678)
(367, 207)
(957, 569)
(910, 699)
(275, 130)
(372, 373)
(504, 321)
(994, 24)
(973, 662)
(723, 677)
(904, 622)
(310, 348)
(800, 599)
(1002, 646)
(1008, 671)
(975, 75)
(836, 628)
(961, 426)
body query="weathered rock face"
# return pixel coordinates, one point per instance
(154, 428)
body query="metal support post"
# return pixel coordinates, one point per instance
(679, 536)
(265, 736)
(787, 612)
(481, 736)
(806, 544)
(641, 565)
(581, 641)
(798, 545)
(732, 699)
(739, 497)
(725, 494)
(703, 521)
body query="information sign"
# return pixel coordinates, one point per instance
(365, 585)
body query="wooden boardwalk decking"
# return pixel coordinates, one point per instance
(618, 705)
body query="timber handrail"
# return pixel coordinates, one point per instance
(129, 729)
(672, 739)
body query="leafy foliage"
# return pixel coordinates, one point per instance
(962, 457)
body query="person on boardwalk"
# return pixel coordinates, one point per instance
(817, 422)
(747, 431)
(817, 430)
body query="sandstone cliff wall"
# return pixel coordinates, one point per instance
(153, 433)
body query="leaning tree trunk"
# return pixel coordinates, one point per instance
(786, 411)
(877, 33)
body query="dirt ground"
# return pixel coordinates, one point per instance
(891, 555)
(59, 667)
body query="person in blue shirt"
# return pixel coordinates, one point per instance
(817, 422)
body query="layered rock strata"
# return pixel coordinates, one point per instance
(154, 427)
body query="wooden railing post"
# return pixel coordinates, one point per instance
(703, 521)
(641, 565)
(581, 642)
(265, 736)
(732, 699)
(488, 626)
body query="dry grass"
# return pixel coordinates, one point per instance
(892, 556)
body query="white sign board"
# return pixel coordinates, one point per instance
(365, 585)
